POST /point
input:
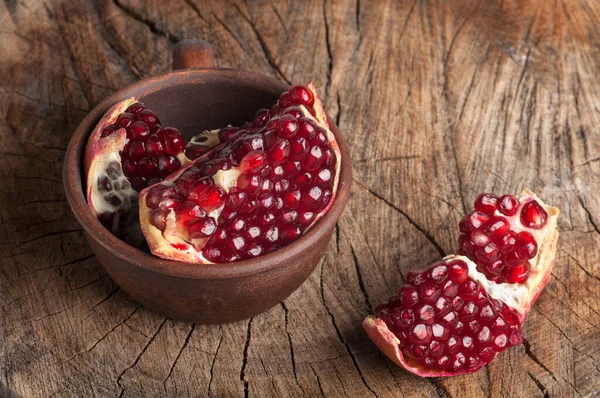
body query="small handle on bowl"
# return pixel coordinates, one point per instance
(191, 54)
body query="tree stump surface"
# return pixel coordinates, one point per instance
(439, 100)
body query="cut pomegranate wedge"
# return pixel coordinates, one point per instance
(262, 188)
(288, 102)
(127, 151)
(452, 318)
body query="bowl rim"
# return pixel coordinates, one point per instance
(76, 196)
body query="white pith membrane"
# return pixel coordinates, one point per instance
(519, 297)
(96, 166)
(171, 243)
(102, 160)
(207, 138)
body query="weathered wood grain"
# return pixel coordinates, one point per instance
(439, 100)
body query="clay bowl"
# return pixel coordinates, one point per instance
(198, 97)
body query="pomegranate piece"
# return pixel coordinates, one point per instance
(260, 189)
(456, 316)
(444, 322)
(503, 235)
(288, 103)
(127, 151)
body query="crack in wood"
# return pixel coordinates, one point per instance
(289, 336)
(137, 359)
(245, 358)
(329, 71)
(264, 47)
(590, 218)
(539, 384)
(360, 281)
(535, 359)
(318, 380)
(68, 231)
(340, 336)
(195, 8)
(212, 366)
(185, 344)
(123, 322)
(427, 235)
(112, 293)
(152, 26)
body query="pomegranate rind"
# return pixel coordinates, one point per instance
(388, 343)
(100, 151)
(318, 106)
(166, 245)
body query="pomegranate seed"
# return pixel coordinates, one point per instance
(533, 215)
(496, 227)
(486, 203)
(138, 130)
(508, 205)
(284, 100)
(314, 159)
(526, 245)
(294, 111)
(517, 274)
(125, 119)
(172, 140)
(287, 127)
(408, 296)
(473, 221)
(253, 162)
(260, 118)
(301, 95)
(149, 117)
(108, 130)
(147, 167)
(135, 108)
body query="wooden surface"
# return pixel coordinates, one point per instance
(439, 100)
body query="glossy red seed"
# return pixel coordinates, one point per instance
(108, 130)
(496, 227)
(526, 245)
(301, 95)
(138, 130)
(486, 203)
(295, 111)
(508, 205)
(148, 117)
(261, 117)
(533, 215)
(473, 221)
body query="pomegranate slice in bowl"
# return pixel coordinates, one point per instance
(127, 151)
(289, 102)
(260, 190)
(455, 317)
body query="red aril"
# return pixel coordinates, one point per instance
(256, 190)
(457, 315)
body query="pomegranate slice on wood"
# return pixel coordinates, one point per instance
(262, 188)
(454, 317)
(127, 151)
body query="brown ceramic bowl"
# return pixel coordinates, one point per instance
(195, 98)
